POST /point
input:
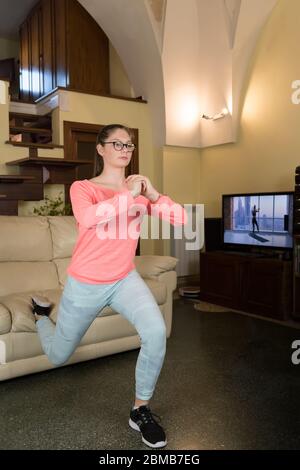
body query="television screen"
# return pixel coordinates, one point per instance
(264, 220)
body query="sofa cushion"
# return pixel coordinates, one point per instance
(5, 320)
(20, 308)
(25, 238)
(27, 276)
(61, 267)
(150, 266)
(64, 234)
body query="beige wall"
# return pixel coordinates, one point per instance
(8, 48)
(268, 147)
(181, 178)
(119, 82)
(181, 174)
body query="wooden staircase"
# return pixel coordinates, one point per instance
(33, 132)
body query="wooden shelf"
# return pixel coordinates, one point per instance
(15, 178)
(89, 92)
(48, 161)
(31, 130)
(28, 117)
(33, 145)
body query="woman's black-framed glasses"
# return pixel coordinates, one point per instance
(119, 145)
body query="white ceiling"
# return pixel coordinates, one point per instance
(12, 14)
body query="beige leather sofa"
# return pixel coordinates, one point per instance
(34, 254)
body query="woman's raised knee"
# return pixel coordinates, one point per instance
(157, 332)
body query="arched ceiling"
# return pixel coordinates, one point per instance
(128, 26)
(187, 58)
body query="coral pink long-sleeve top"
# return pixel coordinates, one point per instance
(101, 259)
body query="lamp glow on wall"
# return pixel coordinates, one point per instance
(220, 115)
(189, 112)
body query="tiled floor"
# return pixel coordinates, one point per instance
(227, 383)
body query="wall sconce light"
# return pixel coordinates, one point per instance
(220, 115)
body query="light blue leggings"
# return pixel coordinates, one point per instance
(81, 303)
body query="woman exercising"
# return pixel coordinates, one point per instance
(102, 272)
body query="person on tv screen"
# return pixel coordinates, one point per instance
(254, 220)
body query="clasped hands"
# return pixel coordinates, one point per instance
(141, 185)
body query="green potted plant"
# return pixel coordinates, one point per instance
(55, 206)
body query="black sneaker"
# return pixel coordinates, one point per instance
(41, 305)
(153, 435)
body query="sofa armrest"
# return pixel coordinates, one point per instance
(152, 266)
(5, 319)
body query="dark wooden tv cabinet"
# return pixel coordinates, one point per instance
(248, 282)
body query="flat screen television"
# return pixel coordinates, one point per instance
(260, 220)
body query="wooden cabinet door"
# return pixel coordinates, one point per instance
(59, 40)
(62, 46)
(87, 51)
(24, 62)
(43, 64)
(262, 289)
(250, 284)
(219, 279)
(36, 41)
(47, 52)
